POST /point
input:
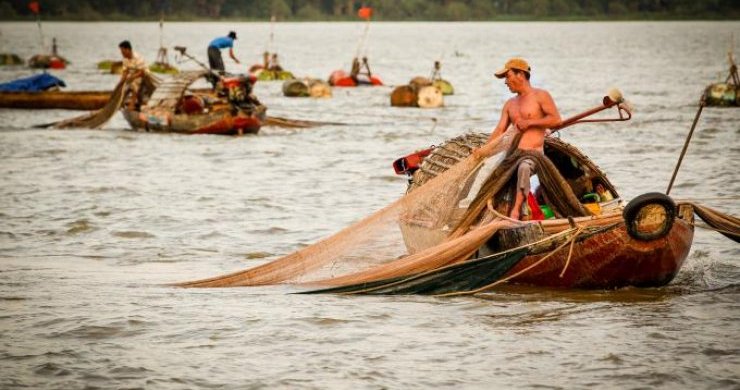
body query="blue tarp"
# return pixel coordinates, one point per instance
(36, 83)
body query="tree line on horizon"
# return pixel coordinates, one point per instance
(392, 10)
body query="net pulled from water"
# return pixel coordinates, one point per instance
(98, 118)
(408, 237)
(725, 224)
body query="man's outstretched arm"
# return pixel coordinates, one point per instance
(231, 54)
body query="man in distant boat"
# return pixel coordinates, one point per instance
(532, 112)
(275, 64)
(134, 70)
(215, 61)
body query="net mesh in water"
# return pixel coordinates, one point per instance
(393, 241)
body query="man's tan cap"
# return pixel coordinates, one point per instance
(514, 63)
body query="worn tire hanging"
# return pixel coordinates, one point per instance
(634, 208)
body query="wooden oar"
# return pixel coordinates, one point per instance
(296, 123)
(614, 98)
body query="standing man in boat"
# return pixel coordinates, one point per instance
(215, 61)
(134, 70)
(532, 111)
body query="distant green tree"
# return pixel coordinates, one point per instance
(564, 8)
(520, 7)
(482, 9)
(7, 12)
(540, 8)
(457, 10)
(309, 12)
(616, 8)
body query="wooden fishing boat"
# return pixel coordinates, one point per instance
(47, 61)
(66, 100)
(643, 244)
(273, 75)
(360, 75)
(270, 69)
(449, 235)
(340, 78)
(725, 94)
(172, 107)
(10, 59)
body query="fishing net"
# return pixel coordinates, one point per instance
(408, 237)
(98, 118)
(726, 224)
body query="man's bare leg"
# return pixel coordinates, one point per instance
(516, 211)
(524, 171)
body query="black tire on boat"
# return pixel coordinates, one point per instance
(633, 212)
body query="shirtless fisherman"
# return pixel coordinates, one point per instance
(134, 70)
(532, 111)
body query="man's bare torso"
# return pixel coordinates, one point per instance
(528, 107)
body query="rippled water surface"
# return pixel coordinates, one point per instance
(94, 223)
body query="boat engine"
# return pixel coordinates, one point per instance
(238, 90)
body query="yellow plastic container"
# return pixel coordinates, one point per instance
(594, 208)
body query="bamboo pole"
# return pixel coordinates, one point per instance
(686, 144)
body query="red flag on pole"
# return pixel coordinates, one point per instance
(365, 12)
(34, 7)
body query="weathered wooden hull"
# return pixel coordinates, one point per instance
(222, 123)
(66, 100)
(611, 259)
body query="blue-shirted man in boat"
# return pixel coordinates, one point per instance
(215, 61)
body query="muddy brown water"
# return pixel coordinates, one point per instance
(94, 223)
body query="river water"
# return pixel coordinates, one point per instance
(93, 224)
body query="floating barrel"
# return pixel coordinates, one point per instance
(414, 96)
(403, 96)
(307, 87)
(295, 88)
(429, 97)
(444, 86)
(318, 88)
(10, 59)
(418, 82)
(722, 94)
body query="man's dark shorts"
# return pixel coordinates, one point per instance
(215, 60)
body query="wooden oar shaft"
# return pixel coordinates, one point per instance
(685, 146)
(575, 118)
